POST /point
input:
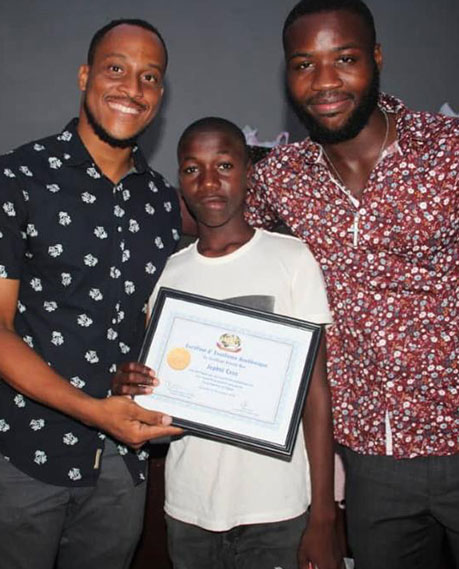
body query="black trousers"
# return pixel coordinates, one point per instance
(401, 512)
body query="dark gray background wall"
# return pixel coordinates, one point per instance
(225, 59)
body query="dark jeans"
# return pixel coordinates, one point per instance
(76, 528)
(255, 546)
(401, 512)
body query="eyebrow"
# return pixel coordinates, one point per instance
(122, 56)
(335, 49)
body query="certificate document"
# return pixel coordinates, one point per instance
(230, 373)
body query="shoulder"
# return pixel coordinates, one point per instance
(291, 157)
(435, 131)
(285, 245)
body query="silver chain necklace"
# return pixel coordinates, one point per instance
(354, 229)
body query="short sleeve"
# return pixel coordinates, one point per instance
(308, 289)
(13, 229)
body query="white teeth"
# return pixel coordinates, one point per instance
(124, 109)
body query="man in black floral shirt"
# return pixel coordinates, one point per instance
(85, 230)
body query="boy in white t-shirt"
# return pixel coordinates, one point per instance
(225, 506)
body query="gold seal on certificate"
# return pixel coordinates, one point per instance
(234, 374)
(178, 358)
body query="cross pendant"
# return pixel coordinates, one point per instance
(354, 229)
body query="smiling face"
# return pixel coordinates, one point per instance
(332, 74)
(213, 169)
(123, 86)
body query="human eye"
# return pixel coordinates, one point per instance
(151, 78)
(115, 68)
(225, 166)
(301, 65)
(347, 59)
(189, 170)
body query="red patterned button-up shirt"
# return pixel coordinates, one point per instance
(391, 264)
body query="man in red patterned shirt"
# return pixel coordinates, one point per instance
(373, 191)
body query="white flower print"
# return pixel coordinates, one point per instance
(152, 187)
(67, 156)
(90, 260)
(77, 382)
(9, 173)
(35, 283)
(65, 136)
(113, 368)
(84, 320)
(102, 436)
(57, 338)
(3, 272)
(149, 209)
(64, 218)
(126, 195)
(175, 235)
(122, 450)
(124, 348)
(53, 188)
(28, 340)
(168, 206)
(50, 305)
(120, 316)
(91, 356)
(118, 211)
(31, 230)
(126, 255)
(4, 426)
(66, 279)
(159, 243)
(55, 250)
(114, 272)
(19, 400)
(37, 424)
(54, 163)
(129, 287)
(38, 147)
(150, 268)
(92, 172)
(112, 334)
(25, 171)
(134, 226)
(141, 476)
(69, 439)
(8, 208)
(74, 474)
(142, 455)
(100, 232)
(21, 307)
(26, 195)
(95, 294)
(40, 457)
(88, 198)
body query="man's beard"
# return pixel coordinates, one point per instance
(104, 135)
(355, 123)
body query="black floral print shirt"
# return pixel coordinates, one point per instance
(87, 254)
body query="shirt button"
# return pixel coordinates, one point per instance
(113, 320)
(120, 229)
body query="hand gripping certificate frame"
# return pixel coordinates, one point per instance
(229, 373)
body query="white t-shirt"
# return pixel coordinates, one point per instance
(218, 486)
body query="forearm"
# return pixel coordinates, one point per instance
(23, 369)
(318, 428)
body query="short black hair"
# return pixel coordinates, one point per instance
(98, 36)
(211, 124)
(305, 7)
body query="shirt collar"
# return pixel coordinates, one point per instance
(409, 133)
(79, 155)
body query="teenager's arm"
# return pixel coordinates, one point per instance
(319, 544)
(119, 416)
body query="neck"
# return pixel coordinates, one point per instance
(352, 161)
(114, 163)
(220, 241)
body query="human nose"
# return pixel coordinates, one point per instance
(209, 179)
(326, 78)
(132, 86)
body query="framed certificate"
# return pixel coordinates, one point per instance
(227, 372)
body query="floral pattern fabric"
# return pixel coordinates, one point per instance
(87, 253)
(392, 281)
